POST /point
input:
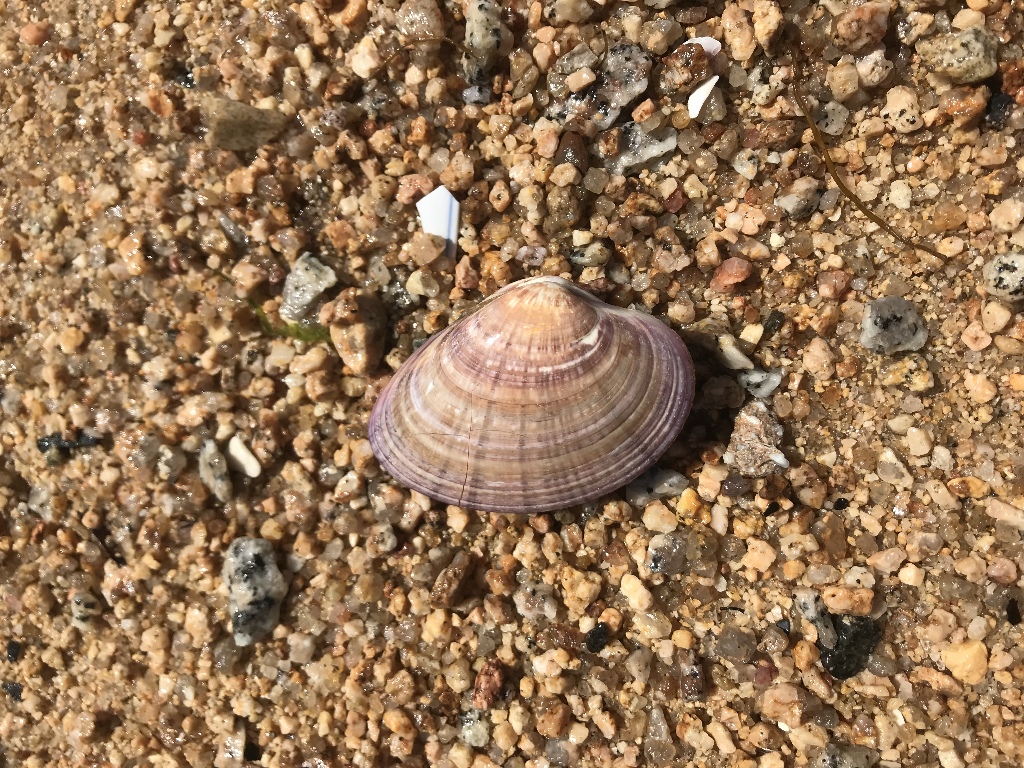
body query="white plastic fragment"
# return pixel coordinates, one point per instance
(696, 101)
(242, 459)
(439, 215)
(711, 46)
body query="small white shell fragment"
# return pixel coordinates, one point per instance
(760, 383)
(696, 101)
(439, 215)
(711, 46)
(731, 356)
(242, 459)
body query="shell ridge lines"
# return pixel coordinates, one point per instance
(560, 399)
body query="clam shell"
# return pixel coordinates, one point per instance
(543, 398)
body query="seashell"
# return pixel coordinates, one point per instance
(544, 397)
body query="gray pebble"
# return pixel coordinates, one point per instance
(812, 607)
(892, 324)
(170, 461)
(624, 77)
(873, 68)
(736, 644)
(255, 586)
(636, 147)
(963, 57)
(535, 601)
(1004, 276)
(666, 553)
(800, 198)
(655, 484)
(844, 756)
(213, 471)
(579, 57)
(746, 163)
(754, 446)
(308, 279)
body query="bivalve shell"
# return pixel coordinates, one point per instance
(542, 398)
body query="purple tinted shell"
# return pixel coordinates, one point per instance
(543, 398)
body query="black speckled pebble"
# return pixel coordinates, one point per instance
(856, 638)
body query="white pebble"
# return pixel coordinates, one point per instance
(902, 110)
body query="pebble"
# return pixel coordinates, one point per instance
(84, 606)
(424, 248)
(862, 26)
(784, 703)
(658, 747)
(968, 487)
(308, 278)
(811, 605)
(656, 483)
(902, 110)
(624, 78)
(995, 316)
(736, 644)
(358, 324)
(856, 639)
(213, 471)
(963, 57)
(731, 272)
(800, 198)
(892, 324)
(964, 104)
(637, 147)
(753, 447)
(975, 337)
(832, 284)
(844, 756)
(659, 518)
(760, 555)
(919, 442)
(843, 80)
(738, 32)
(1004, 276)
(1007, 215)
(636, 594)
(255, 586)
(873, 68)
(666, 553)
(483, 37)
(967, 661)
(819, 360)
(1004, 512)
(980, 387)
(891, 469)
(888, 560)
(686, 65)
(580, 79)
(35, 33)
(364, 58)
(911, 575)
(847, 600)
(235, 126)
(760, 383)
(420, 19)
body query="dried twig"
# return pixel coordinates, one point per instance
(861, 206)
